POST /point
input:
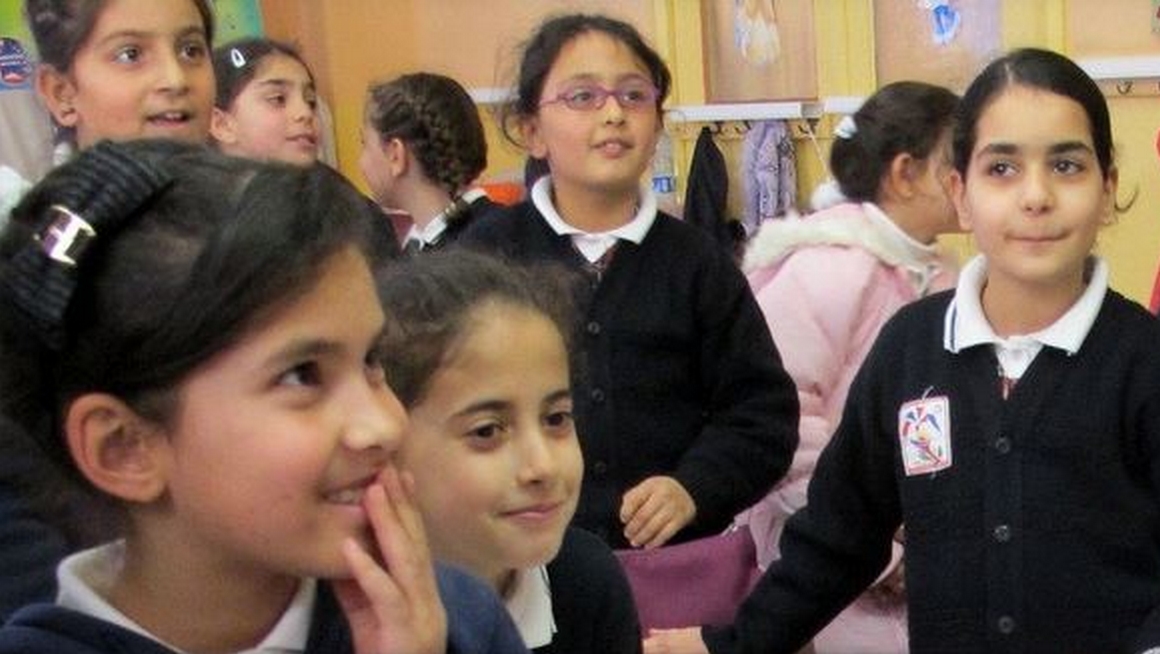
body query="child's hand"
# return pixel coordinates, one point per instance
(393, 606)
(675, 641)
(654, 510)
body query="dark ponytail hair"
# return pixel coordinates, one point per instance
(902, 117)
(1037, 69)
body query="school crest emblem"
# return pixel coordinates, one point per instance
(924, 435)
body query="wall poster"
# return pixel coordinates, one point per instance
(759, 50)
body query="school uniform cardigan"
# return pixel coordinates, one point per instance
(477, 623)
(676, 375)
(591, 600)
(1043, 535)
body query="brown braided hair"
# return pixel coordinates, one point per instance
(437, 119)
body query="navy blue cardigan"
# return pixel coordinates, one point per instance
(1042, 536)
(676, 375)
(477, 623)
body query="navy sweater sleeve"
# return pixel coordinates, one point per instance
(591, 600)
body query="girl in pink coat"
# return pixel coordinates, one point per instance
(827, 283)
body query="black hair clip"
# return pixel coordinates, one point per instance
(92, 195)
(66, 236)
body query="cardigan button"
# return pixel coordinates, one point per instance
(1002, 533)
(1005, 624)
(597, 395)
(593, 328)
(599, 468)
(1003, 445)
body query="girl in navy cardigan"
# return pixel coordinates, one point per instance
(684, 412)
(1013, 426)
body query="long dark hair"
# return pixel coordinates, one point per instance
(187, 250)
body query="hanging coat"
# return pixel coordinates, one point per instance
(707, 191)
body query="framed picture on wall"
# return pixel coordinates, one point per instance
(759, 50)
(943, 42)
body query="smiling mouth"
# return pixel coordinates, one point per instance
(171, 117)
(349, 496)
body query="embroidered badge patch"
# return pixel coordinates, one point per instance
(924, 434)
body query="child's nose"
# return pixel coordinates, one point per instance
(613, 111)
(374, 419)
(1036, 195)
(173, 74)
(537, 460)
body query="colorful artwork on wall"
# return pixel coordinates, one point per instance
(759, 50)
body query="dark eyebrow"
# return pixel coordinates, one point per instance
(140, 34)
(483, 405)
(562, 394)
(303, 349)
(1055, 148)
(1070, 146)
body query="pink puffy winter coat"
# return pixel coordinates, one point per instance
(826, 284)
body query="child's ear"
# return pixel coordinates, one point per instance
(533, 138)
(397, 155)
(957, 188)
(222, 127)
(58, 92)
(1111, 187)
(116, 449)
(900, 180)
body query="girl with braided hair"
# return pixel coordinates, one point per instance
(423, 146)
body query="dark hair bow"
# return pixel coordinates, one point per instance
(84, 200)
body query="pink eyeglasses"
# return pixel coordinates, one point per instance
(631, 96)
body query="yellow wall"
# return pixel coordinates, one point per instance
(351, 42)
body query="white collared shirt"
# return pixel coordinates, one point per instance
(86, 577)
(432, 232)
(594, 245)
(966, 325)
(530, 605)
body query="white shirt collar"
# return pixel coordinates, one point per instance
(593, 245)
(434, 229)
(530, 606)
(966, 326)
(85, 577)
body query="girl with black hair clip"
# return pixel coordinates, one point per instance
(194, 345)
(108, 69)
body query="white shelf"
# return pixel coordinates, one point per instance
(1121, 68)
(489, 95)
(702, 113)
(842, 104)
